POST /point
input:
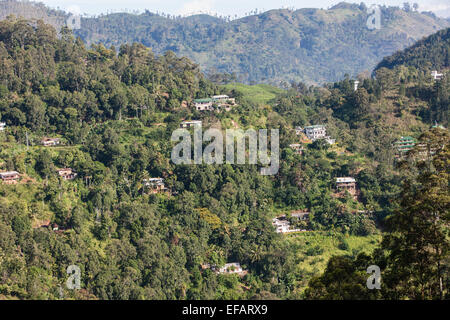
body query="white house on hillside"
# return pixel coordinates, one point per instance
(315, 132)
(436, 75)
(190, 124)
(231, 268)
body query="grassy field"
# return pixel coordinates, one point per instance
(314, 249)
(258, 94)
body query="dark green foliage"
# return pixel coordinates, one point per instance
(115, 113)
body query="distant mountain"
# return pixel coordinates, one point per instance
(310, 45)
(33, 10)
(431, 52)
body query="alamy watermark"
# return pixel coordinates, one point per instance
(374, 20)
(374, 281)
(74, 281)
(214, 152)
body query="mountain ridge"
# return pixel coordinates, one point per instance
(277, 46)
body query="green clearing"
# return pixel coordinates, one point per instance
(313, 250)
(258, 94)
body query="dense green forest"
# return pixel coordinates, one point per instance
(275, 47)
(114, 110)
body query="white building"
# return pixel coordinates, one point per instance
(346, 184)
(282, 225)
(215, 103)
(355, 85)
(231, 268)
(204, 104)
(318, 132)
(10, 177)
(2, 126)
(223, 99)
(345, 180)
(67, 173)
(436, 75)
(190, 124)
(315, 132)
(220, 97)
(49, 142)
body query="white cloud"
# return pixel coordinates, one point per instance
(197, 6)
(74, 9)
(434, 7)
(441, 8)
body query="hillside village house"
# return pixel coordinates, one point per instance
(224, 99)
(403, 145)
(436, 75)
(318, 132)
(67, 173)
(10, 177)
(355, 85)
(424, 151)
(2, 126)
(231, 268)
(49, 142)
(155, 185)
(282, 224)
(315, 132)
(190, 124)
(346, 184)
(217, 103)
(204, 104)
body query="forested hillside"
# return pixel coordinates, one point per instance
(276, 47)
(114, 111)
(414, 255)
(430, 53)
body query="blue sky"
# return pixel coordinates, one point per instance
(225, 7)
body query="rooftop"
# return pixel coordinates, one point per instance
(191, 122)
(345, 180)
(8, 173)
(204, 100)
(316, 126)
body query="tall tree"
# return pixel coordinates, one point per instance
(418, 242)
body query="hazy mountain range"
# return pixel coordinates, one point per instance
(310, 45)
